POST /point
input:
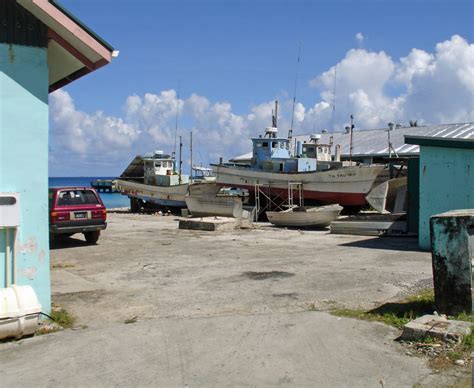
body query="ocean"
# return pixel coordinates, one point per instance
(111, 200)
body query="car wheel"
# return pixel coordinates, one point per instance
(92, 237)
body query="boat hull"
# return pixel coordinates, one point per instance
(217, 206)
(347, 186)
(171, 196)
(316, 217)
(383, 197)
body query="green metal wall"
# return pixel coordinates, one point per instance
(446, 183)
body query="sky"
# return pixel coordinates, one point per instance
(388, 61)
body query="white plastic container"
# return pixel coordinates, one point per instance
(19, 311)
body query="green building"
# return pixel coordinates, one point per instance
(446, 178)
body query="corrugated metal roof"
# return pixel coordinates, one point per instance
(374, 142)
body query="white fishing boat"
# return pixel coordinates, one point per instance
(316, 217)
(153, 180)
(322, 179)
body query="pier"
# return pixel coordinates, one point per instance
(104, 185)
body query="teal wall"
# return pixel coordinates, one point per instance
(24, 161)
(446, 183)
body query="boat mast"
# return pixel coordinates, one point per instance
(351, 131)
(180, 159)
(191, 152)
(290, 132)
(176, 125)
(333, 105)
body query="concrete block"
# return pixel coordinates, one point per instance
(451, 242)
(436, 327)
(212, 224)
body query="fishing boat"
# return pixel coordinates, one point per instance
(153, 180)
(322, 180)
(303, 217)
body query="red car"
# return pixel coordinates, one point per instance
(76, 210)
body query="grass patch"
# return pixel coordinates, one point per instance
(395, 314)
(63, 318)
(62, 265)
(468, 340)
(387, 318)
(463, 317)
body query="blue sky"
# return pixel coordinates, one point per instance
(232, 58)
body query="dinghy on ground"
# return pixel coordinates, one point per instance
(302, 217)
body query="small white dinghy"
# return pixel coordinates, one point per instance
(315, 217)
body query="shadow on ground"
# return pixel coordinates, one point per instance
(389, 243)
(411, 309)
(67, 242)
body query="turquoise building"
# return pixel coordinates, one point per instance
(42, 48)
(446, 178)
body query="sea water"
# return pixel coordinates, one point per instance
(111, 200)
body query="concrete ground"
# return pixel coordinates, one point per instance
(233, 308)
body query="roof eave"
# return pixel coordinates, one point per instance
(80, 42)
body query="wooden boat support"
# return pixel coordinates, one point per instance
(104, 185)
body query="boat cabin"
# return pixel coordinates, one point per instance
(273, 153)
(203, 174)
(160, 170)
(158, 164)
(314, 149)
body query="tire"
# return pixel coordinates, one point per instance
(92, 237)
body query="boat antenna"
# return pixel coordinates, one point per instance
(191, 152)
(290, 132)
(334, 99)
(176, 125)
(351, 144)
(180, 159)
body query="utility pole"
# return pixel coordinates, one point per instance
(390, 128)
(350, 146)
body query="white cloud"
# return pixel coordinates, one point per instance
(430, 87)
(359, 37)
(84, 133)
(433, 87)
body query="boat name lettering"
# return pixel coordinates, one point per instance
(342, 175)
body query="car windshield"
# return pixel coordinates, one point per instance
(77, 197)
